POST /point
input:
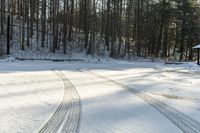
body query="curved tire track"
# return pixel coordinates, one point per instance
(66, 118)
(181, 120)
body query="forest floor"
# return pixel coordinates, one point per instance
(99, 97)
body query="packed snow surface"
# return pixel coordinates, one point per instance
(30, 92)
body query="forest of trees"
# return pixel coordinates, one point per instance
(143, 28)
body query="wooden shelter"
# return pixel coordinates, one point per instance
(198, 55)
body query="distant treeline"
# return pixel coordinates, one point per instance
(147, 28)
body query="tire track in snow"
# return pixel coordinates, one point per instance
(181, 120)
(66, 118)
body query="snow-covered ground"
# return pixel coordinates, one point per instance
(30, 93)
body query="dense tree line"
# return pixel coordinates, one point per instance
(147, 28)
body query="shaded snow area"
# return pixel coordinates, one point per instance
(116, 97)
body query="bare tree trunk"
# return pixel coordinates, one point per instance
(2, 16)
(71, 21)
(8, 36)
(23, 25)
(37, 25)
(65, 25)
(107, 34)
(86, 23)
(43, 22)
(28, 23)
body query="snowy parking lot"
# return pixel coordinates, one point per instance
(104, 97)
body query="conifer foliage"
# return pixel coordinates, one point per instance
(147, 28)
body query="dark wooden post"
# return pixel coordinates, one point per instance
(8, 36)
(198, 57)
